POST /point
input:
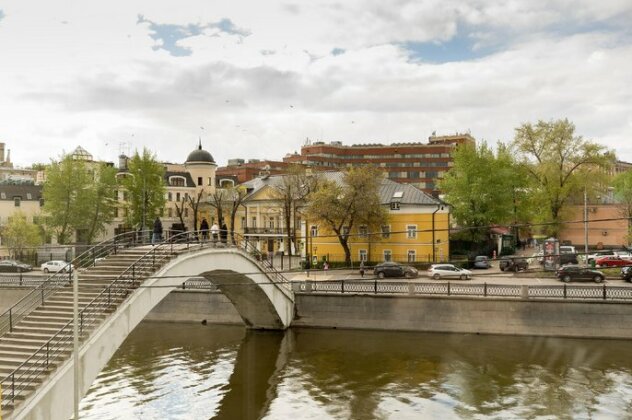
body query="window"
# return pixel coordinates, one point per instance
(345, 231)
(412, 255)
(3, 196)
(254, 222)
(17, 201)
(243, 222)
(386, 231)
(271, 223)
(395, 205)
(177, 181)
(363, 255)
(29, 196)
(387, 255)
(411, 231)
(200, 182)
(178, 197)
(314, 231)
(364, 231)
(170, 196)
(210, 181)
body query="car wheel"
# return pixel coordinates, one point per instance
(566, 279)
(598, 279)
(463, 277)
(46, 270)
(408, 275)
(502, 268)
(436, 276)
(380, 275)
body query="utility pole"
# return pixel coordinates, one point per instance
(585, 224)
(75, 341)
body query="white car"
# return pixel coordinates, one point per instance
(55, 266)
(437, 271)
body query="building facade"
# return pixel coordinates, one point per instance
(417, 228)
(418, 164)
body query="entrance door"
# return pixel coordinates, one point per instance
(270, 246)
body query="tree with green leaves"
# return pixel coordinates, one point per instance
(354, 202)
(622, 185)
(67, 196)
(19, 234)
(145, 187)
(102, 201)
(485, 188)
(560, 165)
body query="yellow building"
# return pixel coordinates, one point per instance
(416, 221)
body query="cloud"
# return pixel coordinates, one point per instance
(168, 36)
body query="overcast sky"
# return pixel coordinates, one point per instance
(261, 77)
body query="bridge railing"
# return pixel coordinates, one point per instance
(37, 296)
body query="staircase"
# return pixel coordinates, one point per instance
(43, 339)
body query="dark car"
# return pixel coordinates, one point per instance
(568, 259)
(481, 261)
(393, 269)
(575, 272)
(626, 273)
(12, 266)
(513, 264)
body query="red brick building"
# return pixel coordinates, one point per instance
(239, 171)
(419, 164)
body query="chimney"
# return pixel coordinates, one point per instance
(1, 152)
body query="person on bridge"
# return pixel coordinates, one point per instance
(157, 236)
(214, 232)
(204, 229)
(224, 232)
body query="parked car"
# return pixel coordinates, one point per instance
(626, 273)
(55, 266)
(626, 255)
(393, 269)
(612, 261)
(567, 249)
(593, 257)
(12, 266)
(575, 272)
(568, 259)
(482, 261)
(437, 271)
(513, 263)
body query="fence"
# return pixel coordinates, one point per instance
(469, 290)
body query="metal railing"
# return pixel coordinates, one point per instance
(54, 282)
(567, 292)
(55, 350)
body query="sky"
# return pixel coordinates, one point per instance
(255, 80)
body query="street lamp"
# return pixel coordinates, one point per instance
(585, 225)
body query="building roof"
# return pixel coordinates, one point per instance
(185, 175)
(81, 154)
(389, 190)
(200, 155)
(7, 192)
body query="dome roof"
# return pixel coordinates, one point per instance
(200, 155)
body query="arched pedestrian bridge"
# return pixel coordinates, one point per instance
(115, 294)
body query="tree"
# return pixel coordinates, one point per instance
(219, 201)
(101, 201)
(354, 202)
(236, 196)
(18, 234)
(558, 164)
(484, 188)
(295, 187)
(145, 189)
(67, 197)
(194, 204)
(622, 184)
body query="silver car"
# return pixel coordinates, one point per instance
(438, 271)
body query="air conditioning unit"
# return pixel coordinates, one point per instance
(604, 233)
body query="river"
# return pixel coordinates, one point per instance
(190, 371)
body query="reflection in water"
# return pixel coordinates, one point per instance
(191, 371)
